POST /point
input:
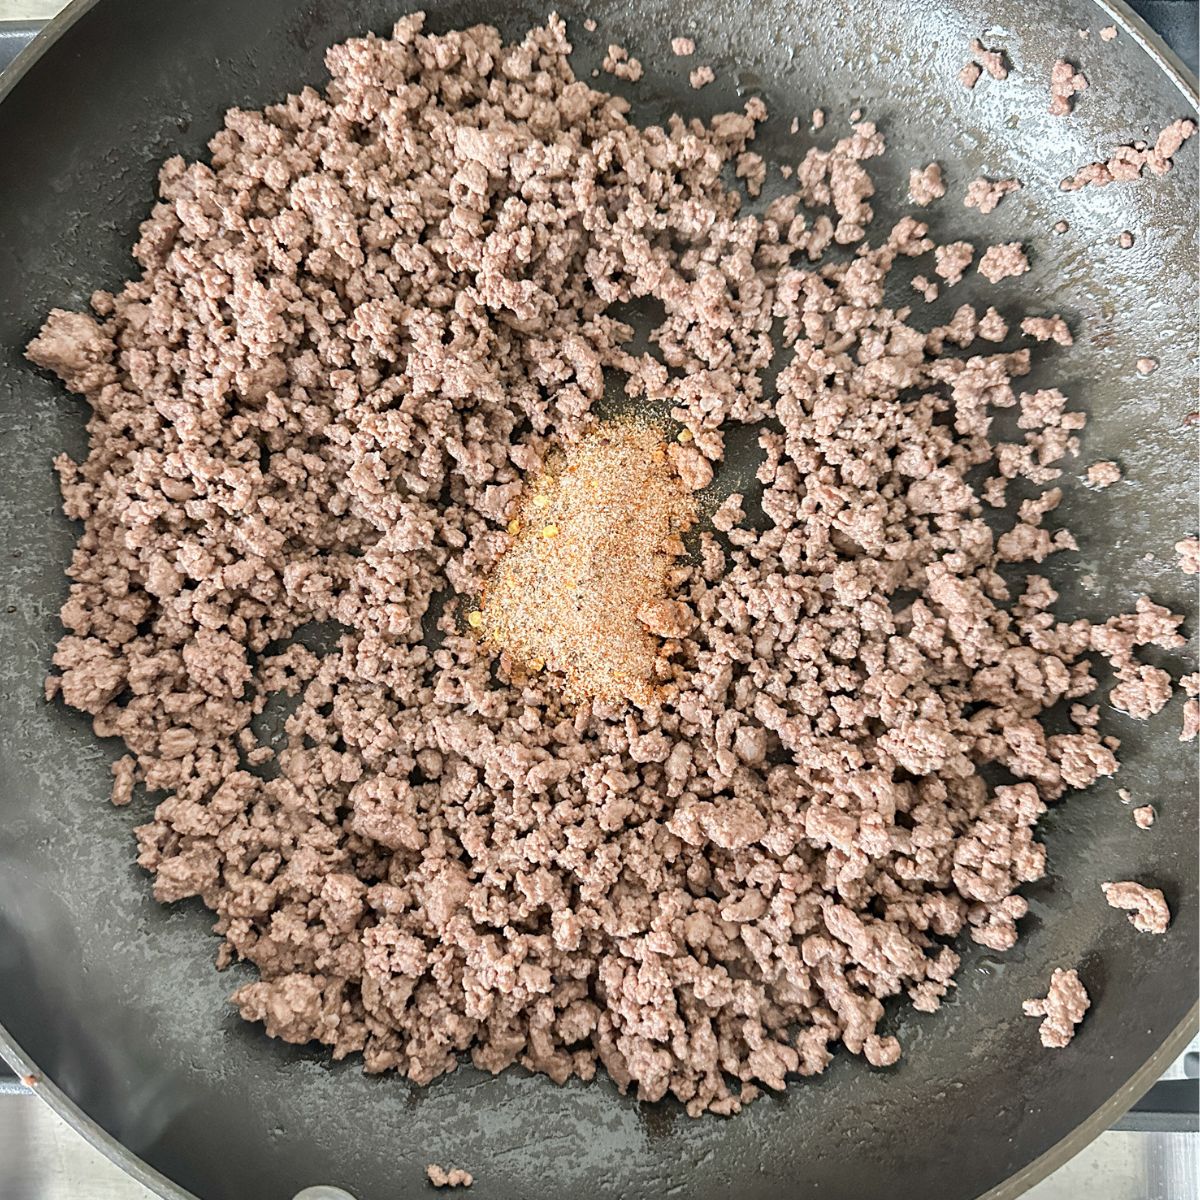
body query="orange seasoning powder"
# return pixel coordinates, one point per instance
(583, 588)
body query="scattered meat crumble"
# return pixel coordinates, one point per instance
(1188, 550)
(927, 289)
(312, 406)
(1108, 33)
(1125, 241)
(1062, 1009)
(1103, 474)
(1128, 161)
(818, 118)
(991, 61)
(1066, 82)
(590, 24)
(1143, 817)
(683, 47)
(1048, 329)
(925, 184)
(452, 1178)
(952, 261)
(617, 62)
(985, 194)
(1146, 366)
(701, 77)
(1147, 907)
(1061, 226)
(1003, 262)
(1191, 707)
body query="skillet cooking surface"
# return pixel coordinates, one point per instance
(115, 998)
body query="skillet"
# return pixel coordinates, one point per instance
(111, 1001)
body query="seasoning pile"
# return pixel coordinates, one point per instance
(583, 590)
(359, 335)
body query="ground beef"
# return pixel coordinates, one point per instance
(952, 261)
(1191, 706)
(358, 330)
(701, 76)
(1003, 262)
(993, 62)
(1066, 82)
(683, 47)
(1108, 33)
(1063, 1009)
(617, 62)
(1048, 329)
(1128, 162)
(455, 1177)
(1147, 906)
(925, 287)
(925, 184)
(1146, 366)
(1125, 240)
(1188, 550)
(1103, 474)
(985, 194)
(1143, 817)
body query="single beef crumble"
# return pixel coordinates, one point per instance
(455, 1177)
(683, 47)
(360, 330)
(925, 184)
(1188, 550)
(1103, 474)
(1003, 262)
(970, 75)
(1048, 329)
(1147, 907)
(985, 194)
(1063, 1008)
(1143, 817)
(702, 76)
(1066, 82)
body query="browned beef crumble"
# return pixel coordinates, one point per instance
(1143, 816)
(1191, 706)
(455, 1177)
(994, 62)
(618, 62)
(985, 194)
(925, 184)
(1103, 474)
(1147, 907)
(1003, 262)
(1128, 162)
(1062, 1009)
(358, 330)
(1066, 82)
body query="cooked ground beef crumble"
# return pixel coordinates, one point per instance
(357, 332)
(1063, 1009)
